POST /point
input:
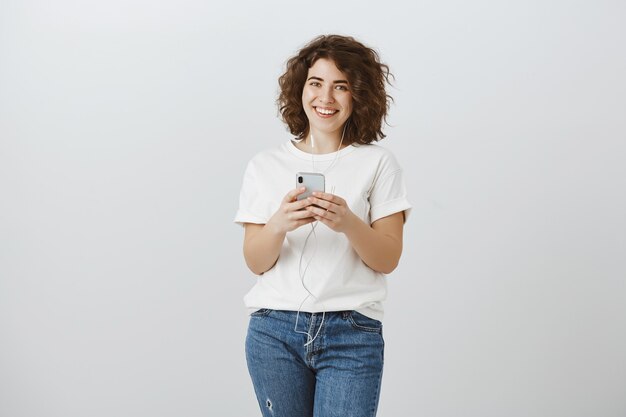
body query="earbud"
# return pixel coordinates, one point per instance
(312, 141)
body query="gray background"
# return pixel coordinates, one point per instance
(125, 129)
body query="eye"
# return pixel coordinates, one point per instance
(315, 84)
(342, 88)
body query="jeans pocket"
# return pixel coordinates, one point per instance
(261, 312)
(362, 322)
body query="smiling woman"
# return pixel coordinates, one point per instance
(358, 70)
(314, 345)
(327, 104)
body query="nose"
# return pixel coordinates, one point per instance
(326, 95)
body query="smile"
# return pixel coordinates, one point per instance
(325, 112)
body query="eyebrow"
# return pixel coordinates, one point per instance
(336, 81)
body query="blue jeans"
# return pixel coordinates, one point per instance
(336, 375)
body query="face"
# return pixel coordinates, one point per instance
(326, 97)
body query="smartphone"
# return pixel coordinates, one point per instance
(312, 181)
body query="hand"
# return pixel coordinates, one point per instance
(291, 215)
(333, 211)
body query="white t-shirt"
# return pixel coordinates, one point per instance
(369, 178)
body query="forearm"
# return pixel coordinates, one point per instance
(378, 250)
(261, 250)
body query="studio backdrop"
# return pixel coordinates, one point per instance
(125, 129)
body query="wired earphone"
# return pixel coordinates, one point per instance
(310, 338)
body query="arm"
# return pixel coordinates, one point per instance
(261, 247)
(379, 246)
(262, 242)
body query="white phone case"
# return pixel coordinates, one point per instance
(313, 181)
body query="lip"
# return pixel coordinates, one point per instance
(325, 116)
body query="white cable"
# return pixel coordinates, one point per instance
(336, 153)
(302, 275)
(313, 225)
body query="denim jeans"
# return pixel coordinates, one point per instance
(336, 375)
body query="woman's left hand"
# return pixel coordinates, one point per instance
(333, 211)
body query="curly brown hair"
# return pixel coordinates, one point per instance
(366, 76)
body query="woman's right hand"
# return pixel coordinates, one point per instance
(291, 213)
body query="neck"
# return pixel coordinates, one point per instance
(324, 142)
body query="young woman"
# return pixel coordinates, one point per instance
(314, 345)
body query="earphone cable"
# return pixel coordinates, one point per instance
(310, 339)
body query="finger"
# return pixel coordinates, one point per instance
(323, 203)
(328, 197)
(321, 212)
(291, 195)
(322, 220)
(298, 205)
(300, 214)
(305, 221)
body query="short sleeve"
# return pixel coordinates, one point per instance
(388, 195)
(253, 206)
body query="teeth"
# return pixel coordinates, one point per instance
(324, 111)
